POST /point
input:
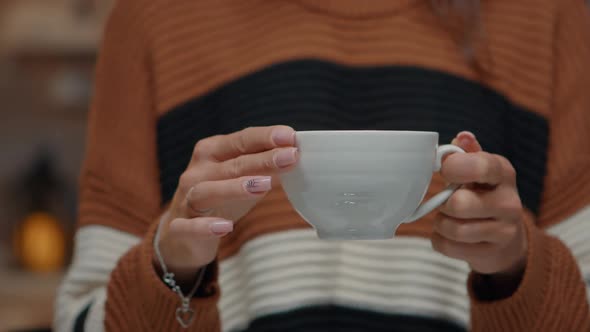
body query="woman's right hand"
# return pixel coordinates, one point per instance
(225, 178)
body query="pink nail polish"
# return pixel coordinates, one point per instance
(258, 185)
(221, 227)
(466, 138)
(283, 136)
(285, 157)
(466, 133)
(463, 141)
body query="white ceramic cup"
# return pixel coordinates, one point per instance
(363, 184)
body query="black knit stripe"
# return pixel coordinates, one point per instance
(313, 94)
(81, 319)
(341, 319)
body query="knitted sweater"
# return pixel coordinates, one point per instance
(173, 72)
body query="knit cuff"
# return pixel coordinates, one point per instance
(521, 310)
(138, 299)
(160, 302)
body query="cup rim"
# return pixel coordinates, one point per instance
(379, 132)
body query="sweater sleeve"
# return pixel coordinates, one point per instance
(552, 294)
(112, 284)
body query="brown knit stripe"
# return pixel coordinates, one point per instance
(156, 308)
(355, 9)
(563, 198)
(232, 41)
(258, 56)
(108, 208)
(568, 181)
(260, 221)
(525, 308)
(119, 183)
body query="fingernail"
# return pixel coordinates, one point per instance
(285, 157)
(283, 136)
(466, 138)
(221, 227)
(258, 185)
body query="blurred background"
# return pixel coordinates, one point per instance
(47, 54)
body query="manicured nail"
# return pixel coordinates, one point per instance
(221, 227)
(283, 136)
(258, 185)
(285, 157)
(466, 138)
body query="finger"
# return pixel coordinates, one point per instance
(210, 194)
(477, 167)
(469, 252)
(467, 204)
(467, 141)
(501, 203)
(268, 162)
(203, 227)
(474, 230)
(246, 141)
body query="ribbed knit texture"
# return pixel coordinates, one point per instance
(91, 266)
(160, 55)
(136, 280)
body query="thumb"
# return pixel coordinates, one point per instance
(201, 227)
(467, 141)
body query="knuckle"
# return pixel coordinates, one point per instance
(235, 168)
(193, 199)
(457, 230)
(242, 138)
(458, 202)
(201, 148)
(240, 143)
(507, 168)
(482, 166)
(248, 131)
(196, 194)
(509, 232)
(268, 162)
(511, 206)
(185, 181)
(449, 166)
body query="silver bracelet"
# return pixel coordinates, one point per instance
(184, 314)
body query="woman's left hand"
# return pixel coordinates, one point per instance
(482, 222)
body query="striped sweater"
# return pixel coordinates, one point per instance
(172, 72)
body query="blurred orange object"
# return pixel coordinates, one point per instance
(40, 243)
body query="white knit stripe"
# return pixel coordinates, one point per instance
(575, 233)
(287, 270)
(97, 250)
(283, 271)
(95, 318)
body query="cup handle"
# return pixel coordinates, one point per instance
(441, 197)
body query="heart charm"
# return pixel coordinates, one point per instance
(185, 316)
